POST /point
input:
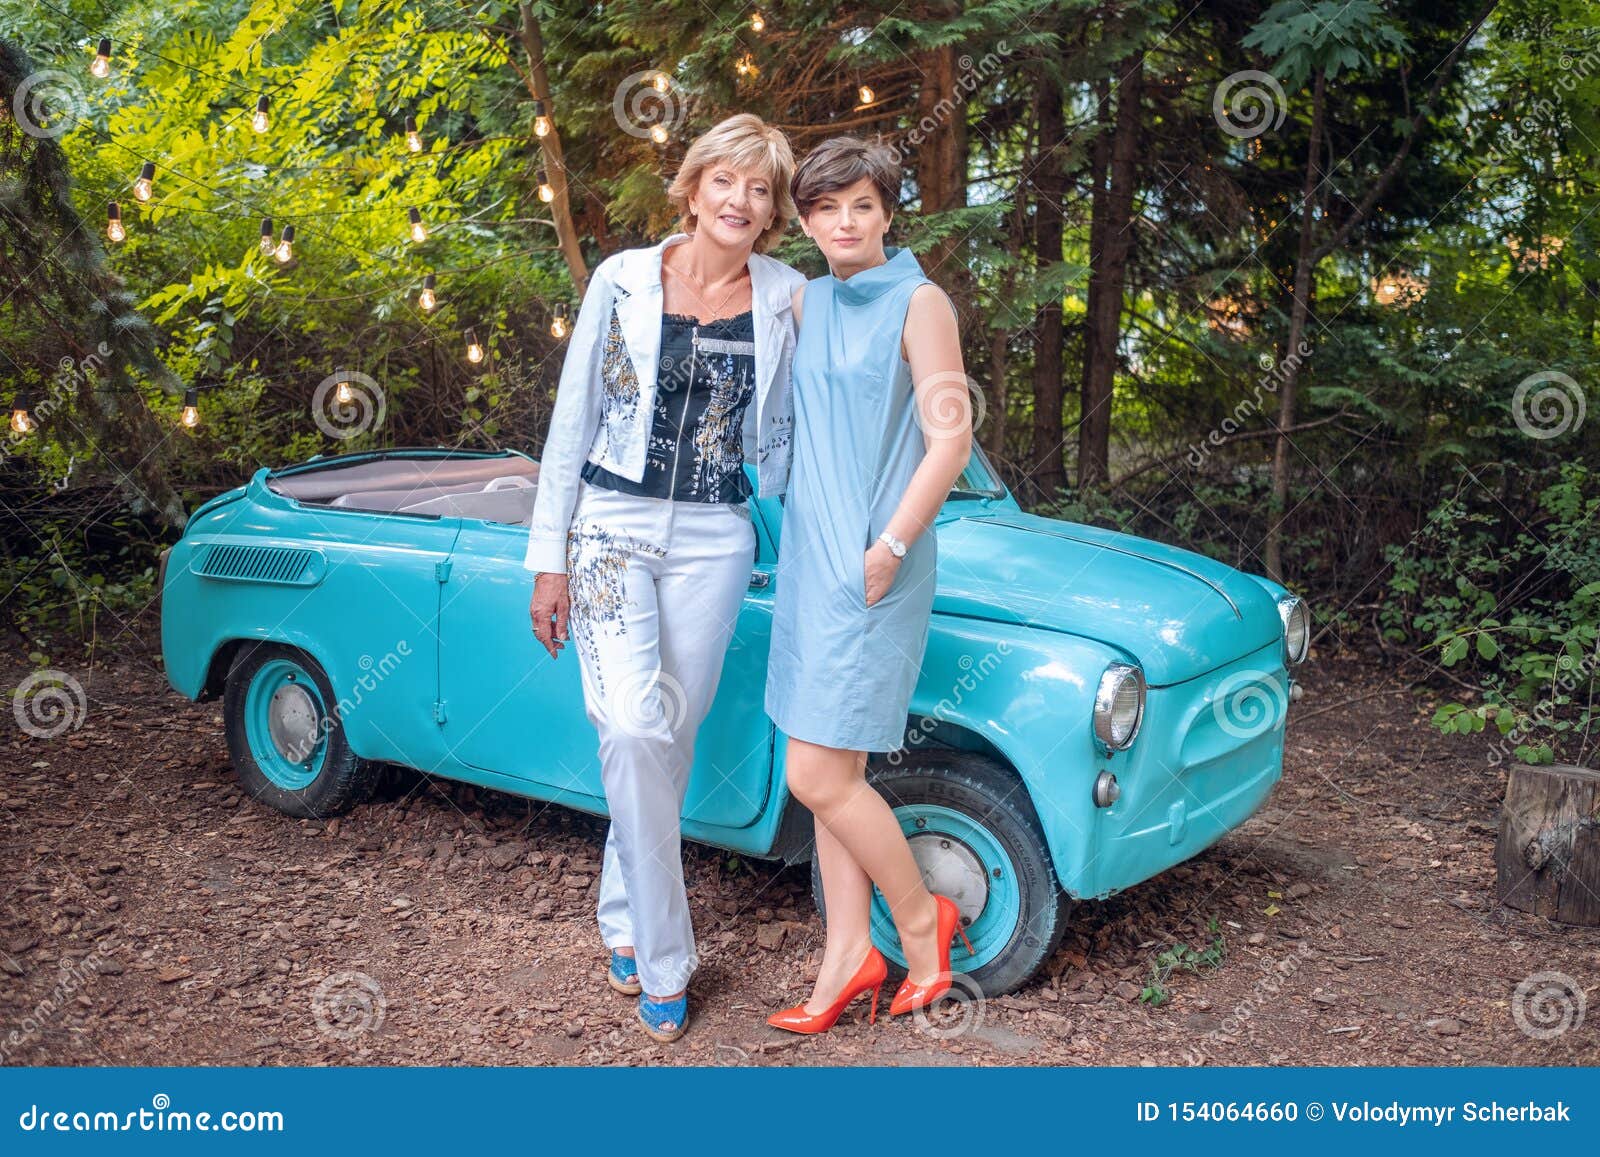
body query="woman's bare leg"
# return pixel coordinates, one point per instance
(832, 783)
(848, 890)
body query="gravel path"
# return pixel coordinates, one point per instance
(151, 915)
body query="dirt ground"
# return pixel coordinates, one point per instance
(149, 915)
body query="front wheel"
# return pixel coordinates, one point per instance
(285, 735)
(977, 840)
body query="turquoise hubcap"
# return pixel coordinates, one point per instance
(962, 859)
(284, 724)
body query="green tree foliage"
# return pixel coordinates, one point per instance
(1440, 467)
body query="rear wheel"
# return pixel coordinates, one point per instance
(973, 831)
(285, 735)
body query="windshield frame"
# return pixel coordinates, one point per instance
(978, 478)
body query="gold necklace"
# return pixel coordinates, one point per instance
(717, 312)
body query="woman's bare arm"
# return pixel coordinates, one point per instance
(944, 410)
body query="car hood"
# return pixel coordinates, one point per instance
(1178, 613)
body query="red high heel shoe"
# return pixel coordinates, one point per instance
(910, 997)
(869, 976)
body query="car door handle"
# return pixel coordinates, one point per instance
(760, 579)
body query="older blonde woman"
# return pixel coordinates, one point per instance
(640, 537)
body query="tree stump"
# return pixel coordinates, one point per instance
(1549, 849)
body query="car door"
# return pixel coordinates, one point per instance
(511, 709)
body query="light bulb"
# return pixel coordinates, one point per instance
(541, 123)
(427, 299)
(114, 228)
(747, 66)
(757, 22)
(101, 66)
(419, 232)
(661, 82)
(344, 395)
(866, 94)
(558, 323)
(191, 407)
(474, 349)
(267, 244)
(262, 119)
(659, 134)
(546, 193)
(21, 420)
(144, 187)
(413, 137)
(285, 250)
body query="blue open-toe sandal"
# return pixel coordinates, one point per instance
(665, 1020)
(623, 975)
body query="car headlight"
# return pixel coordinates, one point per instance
(1119, 705)
(1296, 628)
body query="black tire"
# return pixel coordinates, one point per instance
(989, 795)
(343, 779)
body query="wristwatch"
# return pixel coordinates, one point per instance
(896, 547)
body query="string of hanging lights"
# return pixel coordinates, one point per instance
(281, 246)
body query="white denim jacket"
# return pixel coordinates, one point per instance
(607, 394)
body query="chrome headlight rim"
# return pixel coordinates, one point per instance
(1290, 609)
(1105, 696)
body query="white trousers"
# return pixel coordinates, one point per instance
(656, 586)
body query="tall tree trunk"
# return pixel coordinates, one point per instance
(1299, 313)
(555, 160)
(1099, 174)
(1050, 191)
(1108, 276)
(992, 436)
(941, 165)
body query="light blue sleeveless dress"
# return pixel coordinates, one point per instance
(840, 672)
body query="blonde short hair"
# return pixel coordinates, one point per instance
(746, 143)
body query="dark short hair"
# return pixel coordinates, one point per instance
(840, 162)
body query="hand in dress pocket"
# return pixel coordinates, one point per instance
(880, 567)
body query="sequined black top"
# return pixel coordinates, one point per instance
(704, 381)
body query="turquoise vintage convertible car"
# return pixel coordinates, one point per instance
(1093, 708)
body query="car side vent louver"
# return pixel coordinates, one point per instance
(260, 564)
